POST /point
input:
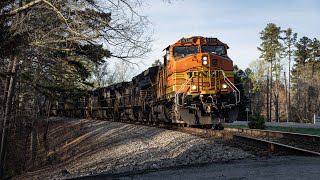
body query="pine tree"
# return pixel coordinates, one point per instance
(302, 57)
(270, 49)
(289, 42)
(315, 53)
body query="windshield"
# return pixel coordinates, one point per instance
(220, 50)
(182, 51)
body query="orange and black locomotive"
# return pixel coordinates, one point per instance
(194, 86)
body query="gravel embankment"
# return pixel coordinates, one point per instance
(112, 147)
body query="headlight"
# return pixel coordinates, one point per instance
(224, 86)
(194, 87)
(204, 62)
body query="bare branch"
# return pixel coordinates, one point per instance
(26, 6)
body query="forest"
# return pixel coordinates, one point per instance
(51, 50)
(283, 84)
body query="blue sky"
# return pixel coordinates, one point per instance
(235, 22)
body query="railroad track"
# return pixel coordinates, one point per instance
(310, 144)
(269, 141)
(276, 134)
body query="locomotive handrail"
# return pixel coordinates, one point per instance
(230, 84)
(183, 85)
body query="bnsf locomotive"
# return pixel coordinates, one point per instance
(194, 86)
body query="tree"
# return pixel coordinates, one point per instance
(314, 54)
(100, 74)
(241, 81)
(157, 63)
(123, 71)
(303, 52)
(302, 56)
(270, 49)
(258, 80)
(50, 48)
(306, 79)
(289, 42)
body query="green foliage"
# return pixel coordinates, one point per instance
(315, 50)
(49, 50)
(271, 48)
(303, 52)
(271, 45)
(305, 78)
(257, 122)
(94, 52)
(242, 82)
(257, 75)
(289, 40)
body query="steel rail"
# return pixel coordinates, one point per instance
(261, 143)
(274, 146)
(277, 134)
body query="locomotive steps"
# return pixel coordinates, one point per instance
(82, 147)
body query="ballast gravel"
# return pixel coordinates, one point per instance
(112, 147)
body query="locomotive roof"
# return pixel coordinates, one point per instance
(198, 40)
(112, 87)
(147, 73)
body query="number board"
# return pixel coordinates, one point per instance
(187, 40)
(211, 39)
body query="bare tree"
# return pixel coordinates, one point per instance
(123, 71)
(100, 74)
(61, 40)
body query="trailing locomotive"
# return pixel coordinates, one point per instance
(194, 86)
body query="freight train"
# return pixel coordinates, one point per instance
(194, 86)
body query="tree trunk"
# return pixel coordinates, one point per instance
(305, 106)
(34, 142)
(25, 148)
(7, 113)
(277, 108)
(286, 94)
(268, 116)
(276, 100)
(270, 92)
(289, 89)
(45, 135)
(5, 95)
